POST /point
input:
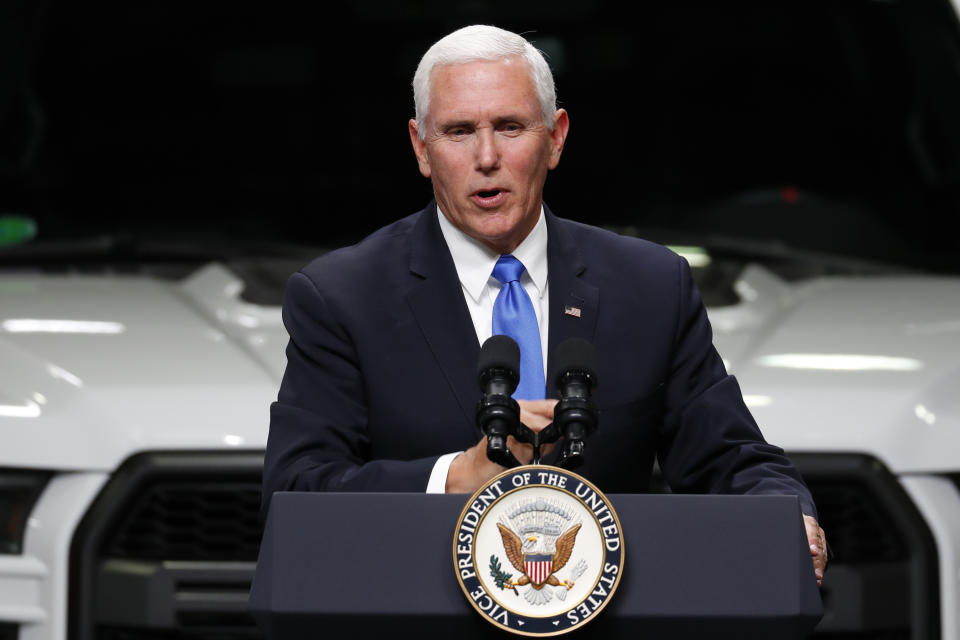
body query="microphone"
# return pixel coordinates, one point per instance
(499, 365)
(576, 414)
(498, 414)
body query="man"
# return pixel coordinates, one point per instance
(380, 388)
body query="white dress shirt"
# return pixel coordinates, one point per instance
(474, 262)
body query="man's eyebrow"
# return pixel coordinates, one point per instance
(463, 122)
(453, 124)
(510, 117)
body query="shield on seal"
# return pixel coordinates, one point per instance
(538, 566)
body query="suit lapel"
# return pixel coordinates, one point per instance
(441, 312)
(573, 301)
(437, 303)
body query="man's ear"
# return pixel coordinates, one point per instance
(561, 125)
(419, 148)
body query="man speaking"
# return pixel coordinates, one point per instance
(380, 389)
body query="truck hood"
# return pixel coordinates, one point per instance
(99, 368)
(865, 364)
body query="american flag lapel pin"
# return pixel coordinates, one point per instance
(576, 312)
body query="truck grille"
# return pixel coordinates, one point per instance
(168, 550)
(178, 520)
(882, 583)
(182, 523)
(857, 526)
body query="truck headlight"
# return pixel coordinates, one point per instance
(19, 490)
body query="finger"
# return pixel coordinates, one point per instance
(822, 544)
(821, 558)
(522, 451)
(535, 421)
(542, 408)
(484, 466)
(820, 561)
(469, 470)
(813, 534)
(818, 546)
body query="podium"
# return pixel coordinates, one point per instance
(695, 566)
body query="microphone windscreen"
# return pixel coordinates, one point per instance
(499, 352)
(575, 354)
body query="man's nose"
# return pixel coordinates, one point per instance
(488, 152)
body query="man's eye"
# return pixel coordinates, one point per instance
(511, 127)
(458, 131)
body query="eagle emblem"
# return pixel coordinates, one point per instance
(531, 557)
(538, 539)
(525, 539)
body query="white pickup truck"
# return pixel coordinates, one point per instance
(133, 414)
(134, 410)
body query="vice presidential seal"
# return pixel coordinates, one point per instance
(538, 551)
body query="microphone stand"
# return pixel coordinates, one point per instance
(499, 417)
(498, 414)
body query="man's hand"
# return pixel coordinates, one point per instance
(536, 414)
(818, 546)
(472, 468)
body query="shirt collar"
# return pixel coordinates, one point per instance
(474, 261)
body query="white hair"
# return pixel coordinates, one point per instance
(482, 42)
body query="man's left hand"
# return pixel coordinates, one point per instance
(818, 546)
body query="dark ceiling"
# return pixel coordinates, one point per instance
(290, 122)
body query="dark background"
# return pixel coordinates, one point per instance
(829, 126)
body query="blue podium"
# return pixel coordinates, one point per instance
(733, 567)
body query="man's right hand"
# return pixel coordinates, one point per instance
(471, 469)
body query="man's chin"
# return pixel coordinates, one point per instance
(501, 228)
(501, 240)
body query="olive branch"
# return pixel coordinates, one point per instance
(499, 576)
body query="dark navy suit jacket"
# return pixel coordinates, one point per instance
(381, 372)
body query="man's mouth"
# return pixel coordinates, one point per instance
(489, 197)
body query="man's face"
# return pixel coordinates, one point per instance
(487, 149)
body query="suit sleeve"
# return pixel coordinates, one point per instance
(318, 437)
(710, 441)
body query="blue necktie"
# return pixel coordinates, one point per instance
(513, 316)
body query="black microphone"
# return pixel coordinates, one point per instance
(498, 367)
(576, 414)
(498, 414)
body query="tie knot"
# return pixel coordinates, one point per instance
(508, 269)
